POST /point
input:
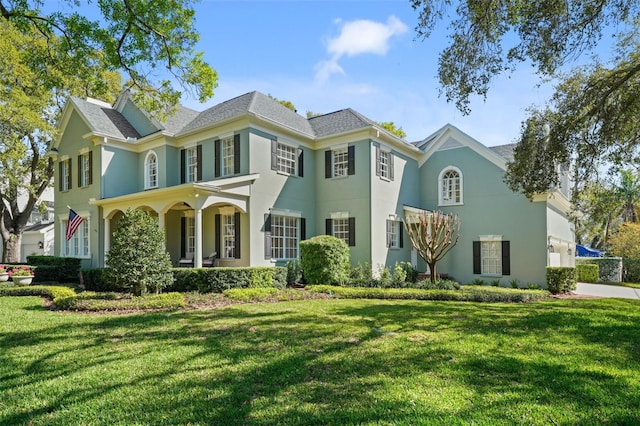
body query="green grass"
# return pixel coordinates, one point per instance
(401, 362)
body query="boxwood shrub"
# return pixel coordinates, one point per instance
(55, 268)
(216, 280)
(325, 260)
(587, 273)
(561, 279)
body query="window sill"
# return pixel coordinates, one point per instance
(450, 204)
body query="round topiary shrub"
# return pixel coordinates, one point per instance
(325, 260)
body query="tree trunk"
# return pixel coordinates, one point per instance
(432, 272)
(11, 248)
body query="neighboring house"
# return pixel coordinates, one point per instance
(38, 236)
(248, 179)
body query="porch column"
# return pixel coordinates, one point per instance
(107, 240)
(161, 227)
(197, 256)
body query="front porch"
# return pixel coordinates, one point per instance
(198, 220)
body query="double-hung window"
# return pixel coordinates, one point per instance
(64, 175)
(228, 156)
(340, 225)
(228, 236)
(340, 162)
(285, 237)
(78, 244)
(384, 163)
(491, 256)
(394, 233)
(85, 169)
(287, 159)
(191, 165)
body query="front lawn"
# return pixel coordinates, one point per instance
(324, 362)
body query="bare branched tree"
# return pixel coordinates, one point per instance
(433, 235)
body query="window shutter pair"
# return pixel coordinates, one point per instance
(81, 170)
(274, 158)
(379, 164)
(217, 147)
(506, 258)
(352, 230)
(351, 162)
(61, 166)
(267, 234)
(218, 234)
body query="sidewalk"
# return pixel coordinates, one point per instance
(602, 290)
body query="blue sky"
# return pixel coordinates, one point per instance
(362, 54)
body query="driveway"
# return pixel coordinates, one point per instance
(602, 290)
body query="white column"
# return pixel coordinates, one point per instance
(197, 256)
(107, 239)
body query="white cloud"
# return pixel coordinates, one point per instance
(357, 38)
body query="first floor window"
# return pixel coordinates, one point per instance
(228, 236)
(341, 229)
(342, 226)
(78, 244)
(285, 236)
(394, 233)
(491, 256)
(190, 237)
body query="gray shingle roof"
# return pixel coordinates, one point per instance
(105, 120)
(181, 118)
(254, 103)
(505, 151)
(339, 122)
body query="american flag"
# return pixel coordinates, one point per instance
(73, 223)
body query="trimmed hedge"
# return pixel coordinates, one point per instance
(55, 268)
(611, 268)
(561, 279)
(51, 292)
(97, 279)
(325, 259)
(587, 273)
(216, 280)
(90, 301)
(465, 294)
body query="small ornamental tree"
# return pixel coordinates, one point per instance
(325, 260)
(137, 259)
(626, 242)
(433, 235)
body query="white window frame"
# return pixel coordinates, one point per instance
(340, 160)
(491, 255)
(385, 163)
(191, 164)
(151, 170)
(85, 169)
(393, 233)
(227, 149)
(79, 244)
(285, 237)
(190, 237)
(450, 192)
(64, 175)
(287, 159)
(228, 223)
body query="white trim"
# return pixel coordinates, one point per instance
(285, 212)
(146, 170)
(339, 215)
(490, 237)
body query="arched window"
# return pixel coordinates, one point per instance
(151, 171)
(450, 186)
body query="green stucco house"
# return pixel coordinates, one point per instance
(246, 180)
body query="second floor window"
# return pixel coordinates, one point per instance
(228, 156)
(450, 183)
(384, 163)
(286, 159)
(64, 175)
(339, 162)
(191, 164)
(151, 171)
(85, 169)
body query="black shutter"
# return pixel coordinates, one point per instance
(351, 160)
(476, 258)
(352, 231)
(328, 227)
(69, 180)
(391, 165)
(79, 171)
(90, 181)
(388, 242)
(378, 166)
(60, 175)
(183, 236)
(506, 258)
(182, 170)
(401, 233)
(199, 162)
(236, 154)
(327, 164)
(267, 236)
(300, 162)
(236, 227)
(303, 229)
(216, 158)
(274, 154)
(218, 235)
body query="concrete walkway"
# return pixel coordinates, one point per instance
(602, 290)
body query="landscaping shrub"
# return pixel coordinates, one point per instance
(137, 259)
(561, 279)
(90, 301)
(99, 279)
(250, 294)
(610, 268)
(325, 260)
(587, 273)
(439, 285)
(361, 275)
(631, 270)
(55, 268)
(216, 280)
(50, 292)
(294, 272)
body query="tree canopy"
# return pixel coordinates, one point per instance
(590, 120)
